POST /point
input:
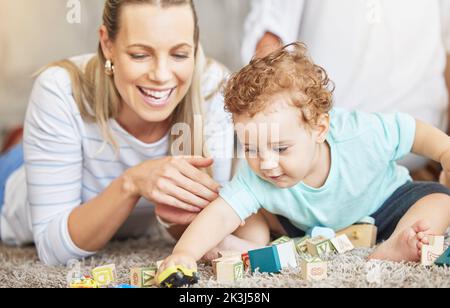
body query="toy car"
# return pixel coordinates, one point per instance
(176, 277)
(85, 282)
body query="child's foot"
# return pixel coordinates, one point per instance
(404, 246)
(231, 243)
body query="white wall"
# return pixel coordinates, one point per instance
(36, 32)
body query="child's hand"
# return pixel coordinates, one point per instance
(176, 260)
(444, 179)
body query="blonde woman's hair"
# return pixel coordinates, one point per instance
(98, 99)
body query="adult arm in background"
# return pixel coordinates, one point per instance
(447, 79)
(270, 24)
(445, 18)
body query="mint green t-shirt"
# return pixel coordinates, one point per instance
(363, 175)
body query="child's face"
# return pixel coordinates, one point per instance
(279, 146)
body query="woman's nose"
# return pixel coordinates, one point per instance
(161, 72)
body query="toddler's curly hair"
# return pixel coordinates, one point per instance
(288, 70)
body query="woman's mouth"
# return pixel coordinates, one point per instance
(156, 98)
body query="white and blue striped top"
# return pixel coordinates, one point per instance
(65, 169)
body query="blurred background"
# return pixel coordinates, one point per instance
(34, 33)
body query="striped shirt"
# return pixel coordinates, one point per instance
(67, 162)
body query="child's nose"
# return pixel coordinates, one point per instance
(269, 164)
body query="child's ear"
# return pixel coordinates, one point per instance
(323, 127)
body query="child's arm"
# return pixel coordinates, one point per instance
(212, 225)
(434, 144)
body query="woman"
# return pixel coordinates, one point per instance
(101, 142)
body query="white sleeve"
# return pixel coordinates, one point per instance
(445, 11)
(53, 162)
(218, 126)
(281, 18)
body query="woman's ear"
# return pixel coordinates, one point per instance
(323, 127)
(106, 43)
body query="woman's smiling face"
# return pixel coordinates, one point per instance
(154, 58)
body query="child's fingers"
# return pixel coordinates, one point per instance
(420, 236)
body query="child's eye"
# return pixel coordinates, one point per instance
(281, 149)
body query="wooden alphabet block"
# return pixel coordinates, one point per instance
(281, 240)
(143, 277)
(105, 275)
(342, 244)
(287, 255)
(362, 235)
(319, 246)
(300, 244)
(431, 252)
(229, 254)
(313, 269)
(229, 271)
(436, 241)
(230, 257)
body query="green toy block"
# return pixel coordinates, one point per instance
(444, 260)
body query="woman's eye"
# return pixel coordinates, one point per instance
(180, 56)
(138, 56)
(250, 151)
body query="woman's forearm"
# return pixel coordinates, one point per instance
(93, 224)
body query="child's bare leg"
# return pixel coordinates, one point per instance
(429, 216)
(253, 235)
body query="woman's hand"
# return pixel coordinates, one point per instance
(173, 215)
(268, 44)
(174, 182)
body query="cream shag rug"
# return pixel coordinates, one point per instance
(20, 267)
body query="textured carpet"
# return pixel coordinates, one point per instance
(20, 267)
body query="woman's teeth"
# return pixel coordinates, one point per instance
(158, 95)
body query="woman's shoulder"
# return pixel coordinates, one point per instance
(54, 82)
(57, 73)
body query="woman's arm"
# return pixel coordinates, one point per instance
(210, 227)
(92, 225)
(160, 181)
